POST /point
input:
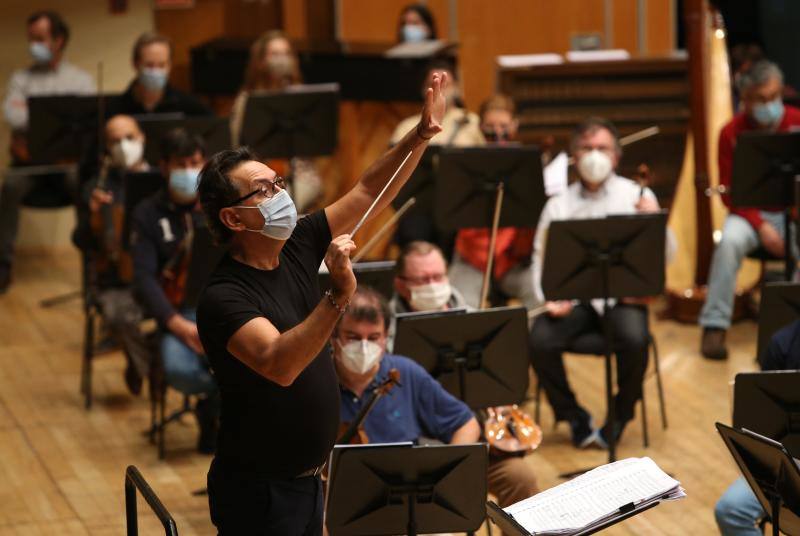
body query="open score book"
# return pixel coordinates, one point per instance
(596, 498)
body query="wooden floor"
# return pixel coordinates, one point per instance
(62, 467)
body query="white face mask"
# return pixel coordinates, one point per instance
(431, 296)
(127, 153)
(595, 166)
(280, 216)
(360, 356)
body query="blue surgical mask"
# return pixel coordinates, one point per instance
(769, 113)
(414, 33)
(280, 216)
(153, 79)
(183, 184)
(40, 52)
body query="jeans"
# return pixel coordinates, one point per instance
(738, 511)
(253, 505)
(551, 337)
(185, 370)
(516, 283)
(738, 239)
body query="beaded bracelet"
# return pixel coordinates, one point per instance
(341, 309)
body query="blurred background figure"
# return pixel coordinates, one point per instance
(416, 24)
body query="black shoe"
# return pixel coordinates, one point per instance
(132, 379)
(582, 432)
(713, 344)
(207, 421)
(604, 434)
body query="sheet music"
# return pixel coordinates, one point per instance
(528, 60)
(418, 49)
(555, 175)
(595, 496)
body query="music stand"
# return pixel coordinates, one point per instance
(780, 306)
(300, 121)
(137, 187)
(418, 223)
(768, 403)
(612, 257)
(467, 181)
(771, 473)
(404, 489)
(215, 131)
(480, 357)
(764, 169)
(379, 275)
(63, 127)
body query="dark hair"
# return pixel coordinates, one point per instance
(424, 13)
(178, 142)
(368, 305)
(415, 247)
(147, 39)
(217, 191)
(58, 28)
(591, 125)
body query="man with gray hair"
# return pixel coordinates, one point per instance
(745, 230)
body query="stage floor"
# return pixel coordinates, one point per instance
(62, 467)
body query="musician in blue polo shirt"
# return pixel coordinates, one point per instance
(418, 408)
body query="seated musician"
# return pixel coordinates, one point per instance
(160, 258)
(110, 265)
(419, 407)
(460, 128)
(512, 260)
(48, 74)
(738, 511)
(599, 192)
(273, 66)
(745, 229)
(150, 91)
(416, 24)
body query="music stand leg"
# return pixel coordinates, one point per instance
(611, 420)
(412, 514)
(775, 515)
(787, 241)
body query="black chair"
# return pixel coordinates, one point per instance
(159, 419)
(593, 343)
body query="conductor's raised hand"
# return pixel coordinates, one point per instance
(433, 111)
(337, 259)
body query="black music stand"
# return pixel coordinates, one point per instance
(780, 306)
(215, 131)
(481, 357)
(404, 489)
(764, 169)
(771, 473)
(605, 258)
(417, 223)
(768, 403)
(379, 275)
(466, 186)
(63, 127)
(300, 121)
(137, 187)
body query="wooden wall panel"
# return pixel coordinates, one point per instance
(661, 20)
(624, 32)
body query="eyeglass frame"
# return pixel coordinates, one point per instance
(277, 181)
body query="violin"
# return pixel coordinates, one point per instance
(176, 270)
(107, 225)
(353, 433)
(508, 429)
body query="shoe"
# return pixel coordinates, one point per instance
(603, 435)
(582, 432)
(133, 380)
(713, 344)
(205, 412)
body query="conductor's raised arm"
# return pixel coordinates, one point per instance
(344, 213)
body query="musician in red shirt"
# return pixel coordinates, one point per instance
(745, 229)
(511, 273)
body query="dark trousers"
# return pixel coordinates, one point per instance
(551, 337)
(244, 504)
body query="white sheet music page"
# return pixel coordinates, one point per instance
(595, 496)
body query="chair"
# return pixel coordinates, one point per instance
(158, 405)
(593, 343)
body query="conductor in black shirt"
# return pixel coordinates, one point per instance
(266, 330)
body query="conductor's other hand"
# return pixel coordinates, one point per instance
(558, 309)
(433, 111)
(337, 259)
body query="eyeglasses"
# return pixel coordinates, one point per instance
(267, 188)
(425, 279)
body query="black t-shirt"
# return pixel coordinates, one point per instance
(267, 429)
